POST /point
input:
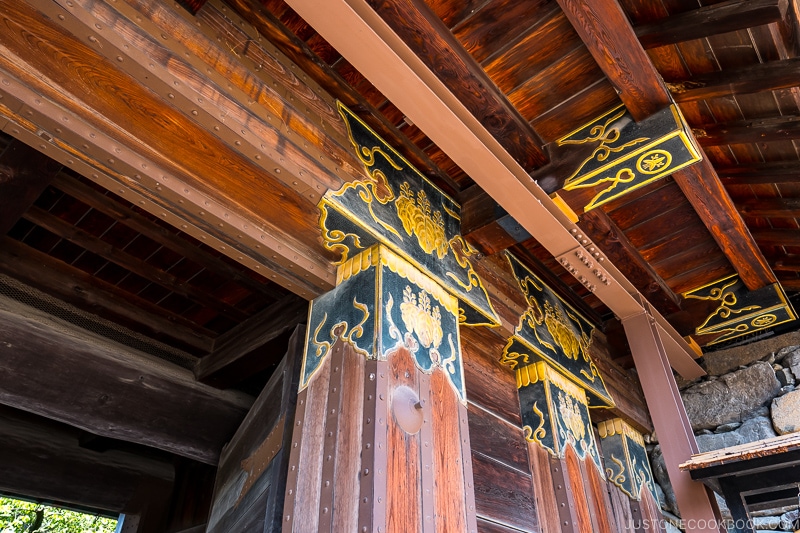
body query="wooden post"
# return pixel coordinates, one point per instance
(380, 440)
(698, 511)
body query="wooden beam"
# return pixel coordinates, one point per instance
(24, 175)
(760, 173)
(114, 480)
(108, 205)
(141, 268)
(300, 53)
(788, 263)
(216, 189)
(67, 374)
(756, 78)
(99, 297)
(252, 346)
(611, 40)
(774, 129)
(442, 53)
(777, 237)
(790, 284)
(771, 207)
(711, 20)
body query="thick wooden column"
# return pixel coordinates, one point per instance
(381, 441)
(669, 418)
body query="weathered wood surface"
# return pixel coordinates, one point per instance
(750, 131)
(253, 346)
(114, 480)
(760, 173)
(436, 46)
(756, 78)
(705, 21)
(24, 174)
(72, 376)
(250, 483)
(504, 495)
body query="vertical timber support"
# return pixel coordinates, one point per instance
(380, 440)
(628, 467)
(666, 408)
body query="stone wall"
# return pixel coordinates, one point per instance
(748, 395)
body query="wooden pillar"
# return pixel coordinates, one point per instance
(628, 467)
(380, 440)
(698, 511)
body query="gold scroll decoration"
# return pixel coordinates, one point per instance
(627, 154)
(395, 205)
(740, 311)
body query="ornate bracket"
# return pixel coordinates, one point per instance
(395, 205)
(554, 412)
(739, 310)
(626, 460)
(383, 302)
(627, 155)
(551, 330)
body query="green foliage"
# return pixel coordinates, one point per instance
(17, 516)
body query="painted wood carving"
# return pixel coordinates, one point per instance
(554, 411)
(551, 330)
(741, 311)
(625, 457)
(397, 206)
(382, 302)
(629, 154)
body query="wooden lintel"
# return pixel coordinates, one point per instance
(110, 481)
(771, 207)
(775, 129)
(252, 346)
(24, 174)
(723, 17)
(435, 45)
(752, 79)
(611, 40)
(84, 380)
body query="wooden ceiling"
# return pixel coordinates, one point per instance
(525, 69)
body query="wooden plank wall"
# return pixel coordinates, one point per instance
(251, 478)
(516, 481)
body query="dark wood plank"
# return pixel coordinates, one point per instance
(142, 268)
(99, 297)
(789, 263)
(756, 78)
(24, 174)
(771, 207)
(765, 130)
(251, 477)
(643, 91)
(577, 487)
(252, 346)
(497, 439)
(760, 173)
(504, 495)
(777, 237)
(544, 496)
(710, 20)
(109, 390)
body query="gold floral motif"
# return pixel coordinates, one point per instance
(654, 161)
(421, 318)
(558, 327)
(418, 219)
(571, 415)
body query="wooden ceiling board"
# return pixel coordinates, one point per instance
(582, 107)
